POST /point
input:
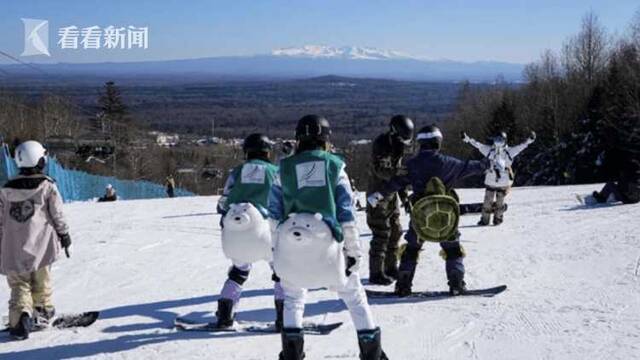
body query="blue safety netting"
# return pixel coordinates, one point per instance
(75, 185)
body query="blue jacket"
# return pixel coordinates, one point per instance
(429, 163)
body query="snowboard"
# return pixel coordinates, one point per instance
(586, 200)
(254, 327)
(487, 292)
(476, 208)
(64, 321)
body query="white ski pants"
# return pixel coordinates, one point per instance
(352, 293)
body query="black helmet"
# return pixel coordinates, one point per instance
(430, 137)
(257, 143)
(402, 127)
(313, 128)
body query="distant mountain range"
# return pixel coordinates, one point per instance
(300, 62)
(345, 52)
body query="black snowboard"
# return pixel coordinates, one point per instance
(239, 326)
(488, 292)
(476, 208)
(65, 321)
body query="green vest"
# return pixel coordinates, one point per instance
(309, 182)
(252, 183)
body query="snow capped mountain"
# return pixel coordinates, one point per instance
(344, 52)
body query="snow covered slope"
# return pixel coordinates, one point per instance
(573, 276)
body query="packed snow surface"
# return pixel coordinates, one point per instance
(573, 274)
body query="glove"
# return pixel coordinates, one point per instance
(222, 205)
(532, 137)
(374, 199)
(65, 242)
(352, 246)
(353, 266)
(465, 138)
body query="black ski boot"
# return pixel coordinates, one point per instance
(224, 313)
(22, 329)
(279, 314)
(457, 286)
(370, 346)
(376, 272)
(497, 220)
(292, 344)
(483, 223)
(403, 286)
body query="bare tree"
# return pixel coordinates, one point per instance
(635, 28)
(585, 54)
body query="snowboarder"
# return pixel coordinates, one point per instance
(499, 177)
(627, 187)
(33, 231)
(384, 219)
(420, 169)
(247, 183)
(109, 194)
(313, 182)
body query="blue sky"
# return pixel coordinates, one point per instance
(513, 31)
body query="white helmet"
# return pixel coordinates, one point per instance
(109, 186)
(30, 154)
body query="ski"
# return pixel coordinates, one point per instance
(488, 292)
(239, 326)
(64, 321)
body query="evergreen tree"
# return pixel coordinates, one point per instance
(503, 118)
(111, 103)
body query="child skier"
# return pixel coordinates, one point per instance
(248, 183)
(427, 164)
(499, 177)
(313, 181)
(32, 232)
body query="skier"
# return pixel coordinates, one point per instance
(626, 188)
(244, 186)
(313, 181)
(429, 163)
(109, 194)
(384, 220)
(33, 230)
(499, 177)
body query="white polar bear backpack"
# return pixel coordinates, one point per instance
(306, 254)
(246, 237)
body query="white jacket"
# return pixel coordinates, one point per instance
(31, 223)
(499, 174)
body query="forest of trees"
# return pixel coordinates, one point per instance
(583, 102)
